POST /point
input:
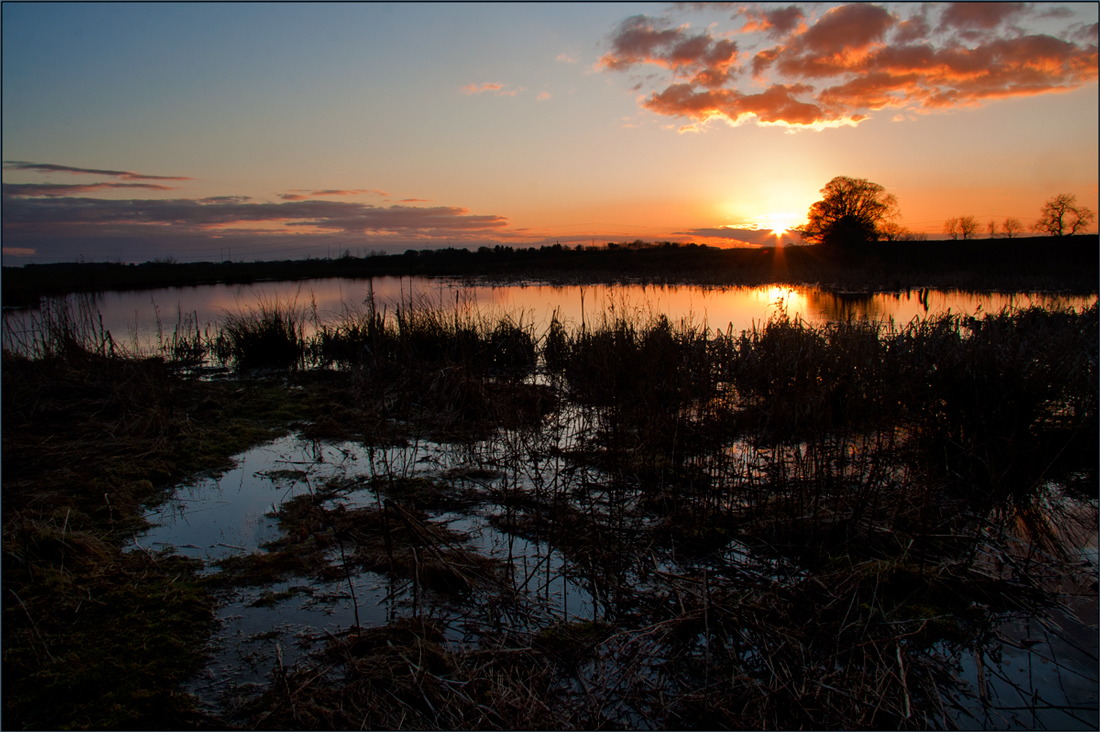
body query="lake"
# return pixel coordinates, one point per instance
(142, 319)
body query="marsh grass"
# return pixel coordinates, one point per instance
(271, 335)
(63, 328)
(778, 528)
(99, 631)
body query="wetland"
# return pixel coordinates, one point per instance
(424, 503)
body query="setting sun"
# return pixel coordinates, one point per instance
(780, 223)
(640, 365)
(698, 123)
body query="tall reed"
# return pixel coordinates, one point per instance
(270, 335)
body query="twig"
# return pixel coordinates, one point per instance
(34, 626)
(904, 684)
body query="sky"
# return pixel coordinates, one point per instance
(212, 131)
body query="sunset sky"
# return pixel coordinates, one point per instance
(269, 131)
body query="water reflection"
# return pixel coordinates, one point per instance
(146, 319)
(1036, 671)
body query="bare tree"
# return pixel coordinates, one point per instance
(1012, 227)
(969, 227)
(951, 227)
(992, 229)
(966, 227)
(1061, 216)
(893, 231)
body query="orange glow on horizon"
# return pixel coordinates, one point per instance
(781, 223)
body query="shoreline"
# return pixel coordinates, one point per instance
(992, 265)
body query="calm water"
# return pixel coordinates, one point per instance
(1039, 672)
(143, 318)
(1050, 681)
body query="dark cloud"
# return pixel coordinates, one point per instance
(774, 23)
(65, 227)
(50, 168)
(845, 29)
(980, 16)
(225, 199)
(229, 211)
(27, 190)
(302, 195)
(1084, 33)
(641, 40)
(856, 59)
(41, 217)
(912, 29)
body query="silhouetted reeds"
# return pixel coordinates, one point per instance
(269, 336)
(776, 528)
(63, 328)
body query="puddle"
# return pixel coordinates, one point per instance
(1039, 675)
(259, 628)
(220, 517)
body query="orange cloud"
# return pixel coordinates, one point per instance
(855, 59)
(488, 86)
(777, 103)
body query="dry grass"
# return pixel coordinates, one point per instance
(891, 491)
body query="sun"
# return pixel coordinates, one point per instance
(779, 223)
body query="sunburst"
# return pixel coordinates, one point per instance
(779, 223)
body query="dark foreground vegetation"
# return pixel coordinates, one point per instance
(894, 493)
(1068, 263)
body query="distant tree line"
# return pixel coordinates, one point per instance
(854, 212)
(1060, 216)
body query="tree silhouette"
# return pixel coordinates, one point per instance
(1061, 215)
(951, 227)
(965, 226)
(893, 231)
(968, 227)
(1012, 227)
(852, 211)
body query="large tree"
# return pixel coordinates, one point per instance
(852, 211)
(1061, 215)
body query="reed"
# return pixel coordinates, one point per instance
(777, 528)
(64, 328)
(270, 335)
